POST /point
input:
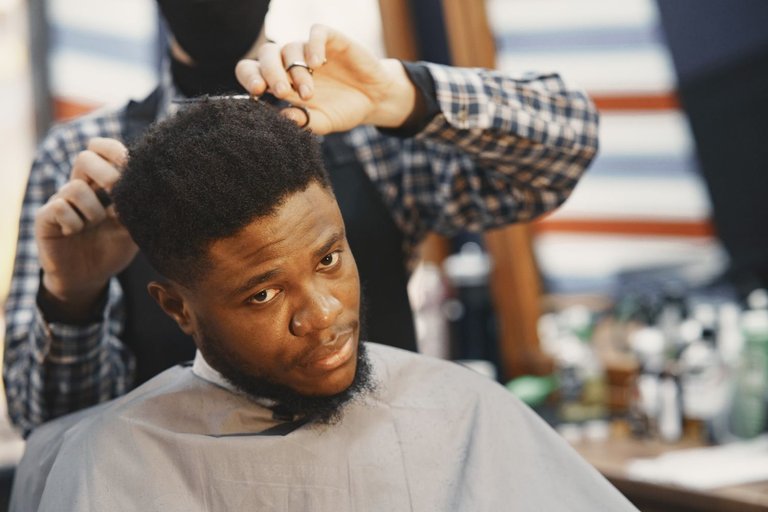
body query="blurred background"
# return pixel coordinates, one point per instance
(642, 293)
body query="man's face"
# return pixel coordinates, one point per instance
(281, 300)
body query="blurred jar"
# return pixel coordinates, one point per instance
(580, 373)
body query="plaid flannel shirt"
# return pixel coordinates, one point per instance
(502, 149)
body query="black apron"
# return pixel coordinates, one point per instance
(376, 242)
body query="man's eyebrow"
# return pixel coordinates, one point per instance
(333, 240)
(255, 281)
(266, 276)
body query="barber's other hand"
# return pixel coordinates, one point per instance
(81, 243)
(349, 86)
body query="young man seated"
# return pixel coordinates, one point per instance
(285, 407)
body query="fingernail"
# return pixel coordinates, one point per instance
(256, 86)
(315, 61)
(305, 91)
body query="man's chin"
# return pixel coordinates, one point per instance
(320, 408)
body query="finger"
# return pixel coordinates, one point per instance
(111, 150)
(248, 73)
(314, 51)
(298, 69)
(91, 167)
(57, 217)
(83, 200)
(273, 72)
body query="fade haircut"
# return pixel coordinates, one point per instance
(205, 174)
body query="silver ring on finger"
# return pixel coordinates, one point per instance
(299, 64)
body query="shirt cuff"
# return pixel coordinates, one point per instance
(51, 313)
(62, 343)
(463, 96)
(420, 76)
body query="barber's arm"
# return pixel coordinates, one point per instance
(62, 318)
(505, 148)
(453, 148)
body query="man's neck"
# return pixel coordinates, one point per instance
(205, 371)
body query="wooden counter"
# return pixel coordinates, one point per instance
(611, 457)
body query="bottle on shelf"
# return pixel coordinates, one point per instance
(648, 345)
(703, 377)
(748, 415)
(670, 422)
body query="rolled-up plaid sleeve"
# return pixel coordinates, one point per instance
(503, 149)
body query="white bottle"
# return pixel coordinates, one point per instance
(648, 344)
(670, 423)
(703, 379)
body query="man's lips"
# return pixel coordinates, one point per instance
(334, 354)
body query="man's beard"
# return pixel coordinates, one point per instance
(320, 409)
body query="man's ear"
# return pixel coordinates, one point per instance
(171, 300)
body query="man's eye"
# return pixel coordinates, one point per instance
(264, 296)
(330, 260)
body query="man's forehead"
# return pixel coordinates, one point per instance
(301, 222)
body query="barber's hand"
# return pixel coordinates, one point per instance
(349, 86)
(81, 243)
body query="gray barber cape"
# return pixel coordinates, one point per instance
(433, 437)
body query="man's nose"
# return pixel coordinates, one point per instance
(319, 311)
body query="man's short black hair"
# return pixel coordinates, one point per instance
(208, 172)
